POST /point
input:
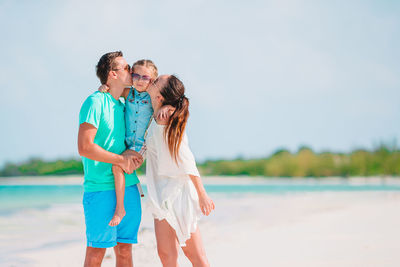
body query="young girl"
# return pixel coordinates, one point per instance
(176, 194)
(138, 112)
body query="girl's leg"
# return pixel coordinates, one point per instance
(119, 179)
(194, 250)
(167, 245)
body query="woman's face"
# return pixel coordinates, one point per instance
(154, 91)
(142, 77)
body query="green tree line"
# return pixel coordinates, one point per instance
(382, 160)
(306, 163)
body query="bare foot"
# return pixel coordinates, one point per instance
(117, 218)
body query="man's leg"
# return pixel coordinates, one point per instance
(123, 255)
(127, 230)
(98, 208)
(94, 256)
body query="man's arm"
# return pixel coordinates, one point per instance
(88, 149)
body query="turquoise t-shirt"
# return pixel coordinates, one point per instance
(107, 115)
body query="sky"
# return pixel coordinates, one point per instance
(260, 75)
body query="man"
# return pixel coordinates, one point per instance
(100, 143)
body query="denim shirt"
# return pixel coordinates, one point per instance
(138, 112)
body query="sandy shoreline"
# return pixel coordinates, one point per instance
(307, 229)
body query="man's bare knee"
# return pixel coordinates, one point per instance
(94, 256)
(124, 250)
(123, 253)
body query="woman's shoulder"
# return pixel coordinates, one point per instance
(154, 127)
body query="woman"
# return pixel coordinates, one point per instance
(176, 193)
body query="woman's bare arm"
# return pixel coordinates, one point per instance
(206, 203)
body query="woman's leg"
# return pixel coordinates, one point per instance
(167, 245)
(194, 250)
(119, 180)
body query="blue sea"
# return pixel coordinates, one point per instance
(15, 197)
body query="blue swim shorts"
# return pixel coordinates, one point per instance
(99, 208)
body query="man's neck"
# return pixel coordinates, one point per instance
(116, 92)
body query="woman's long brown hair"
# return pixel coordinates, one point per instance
(174, 95)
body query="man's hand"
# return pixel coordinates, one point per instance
(131, 161)
(137, 160)
(126, 164)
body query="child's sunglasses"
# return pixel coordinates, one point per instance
(137, 77)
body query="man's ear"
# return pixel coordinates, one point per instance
(112, 75)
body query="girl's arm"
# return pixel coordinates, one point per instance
(163, 114)
(206, 203)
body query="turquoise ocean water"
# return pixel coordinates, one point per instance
(16, 197)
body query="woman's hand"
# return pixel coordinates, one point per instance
(164, 113)
(206, 204)
(104, 88)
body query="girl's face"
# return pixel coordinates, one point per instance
(142, 76)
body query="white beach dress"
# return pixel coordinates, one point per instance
(172, 195)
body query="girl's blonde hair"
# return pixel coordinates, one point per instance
(148, 64)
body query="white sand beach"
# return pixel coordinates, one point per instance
(292, 229)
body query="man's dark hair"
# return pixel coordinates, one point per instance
(106, 63)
